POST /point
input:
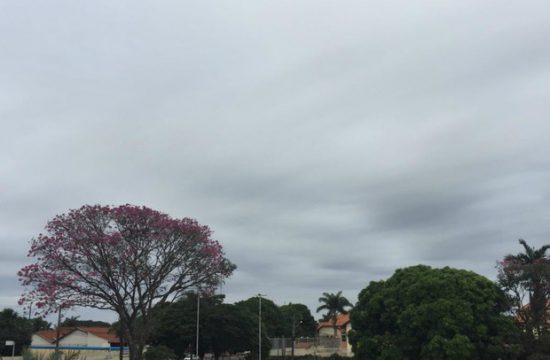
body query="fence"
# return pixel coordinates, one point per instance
(321, 346)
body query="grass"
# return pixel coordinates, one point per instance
(60, 355)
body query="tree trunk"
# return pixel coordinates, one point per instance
(121, 353)
(136, 351)
(136, 334)
(538, 308)
(135, 344)
(121, 346)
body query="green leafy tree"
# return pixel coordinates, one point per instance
(334, 305)
(298, 322)
(526, 278)
(16, 328)
(297, 317)
(160, 353)
(426, 313)
(74, 321)
(38, 324)
(223, 327)
(272, 317)
(175, 325)
(231, 329)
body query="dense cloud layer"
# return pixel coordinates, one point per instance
(325, 143)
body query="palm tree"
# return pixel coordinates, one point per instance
(334, 304)
(532, 270)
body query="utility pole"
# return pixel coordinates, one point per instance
(260, 326)
(58, 333)
(294, 333)
(198, 317)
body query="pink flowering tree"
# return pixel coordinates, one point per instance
(125, 259)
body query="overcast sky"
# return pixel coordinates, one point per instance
(326, 143)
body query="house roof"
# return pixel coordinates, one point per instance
(341, 321)
(50, 334)
(101, 332)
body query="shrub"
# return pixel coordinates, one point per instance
(310, 357)
(67, 355)
(160, 352)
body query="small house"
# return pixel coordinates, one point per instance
(78, 338)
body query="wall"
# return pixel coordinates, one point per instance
(81, 338)
(39, 340)
(321, 346)
(328, 331)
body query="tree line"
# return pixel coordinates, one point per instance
(226, 328)
(141, 264)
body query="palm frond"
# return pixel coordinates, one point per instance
(528, 250)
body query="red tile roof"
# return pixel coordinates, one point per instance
(50, 335)
(341, 321)
(101, 332)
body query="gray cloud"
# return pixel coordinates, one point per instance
(326, 144)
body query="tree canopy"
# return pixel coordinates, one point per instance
(126, 259)
(426, 313)
(272, 318)
(299, 317)
(223, 327)
(526, 278)
(74, 321)
(19, 329)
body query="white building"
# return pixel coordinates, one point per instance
(325, 330)
(76, 338)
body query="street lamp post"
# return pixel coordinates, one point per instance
(294, 325)
(198, 317)
(260, 326)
